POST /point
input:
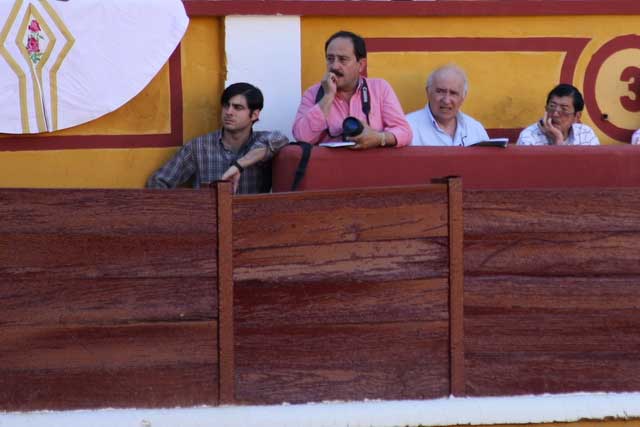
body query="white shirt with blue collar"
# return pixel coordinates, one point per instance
(426, 131)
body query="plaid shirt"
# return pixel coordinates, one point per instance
(204, 159)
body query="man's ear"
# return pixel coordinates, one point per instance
(362, 70)
(255, 115)
(577, 117)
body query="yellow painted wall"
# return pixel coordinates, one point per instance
(147, 113)
(506, 89)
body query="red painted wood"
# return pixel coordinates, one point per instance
(340, 216)
(550, 291)
(222, 192)
(577, 210)
(342, 295)
(456, 287)
(260, 303)
(91, 301)
(106, 212)
(385, 261)
(301, 363)
(138, 365)
(534, 335)
(175, 88)
(411, 8)
(107, 299)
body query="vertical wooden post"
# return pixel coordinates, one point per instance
(226, 358)
(456, 287)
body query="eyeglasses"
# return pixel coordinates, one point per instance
(553, 108)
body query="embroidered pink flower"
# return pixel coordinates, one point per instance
(34, 26)
(33, 45)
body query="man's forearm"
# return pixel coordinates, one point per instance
(252, 157)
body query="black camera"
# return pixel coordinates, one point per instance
(351, 127)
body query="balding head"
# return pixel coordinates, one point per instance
(449, 71)
(446, 91)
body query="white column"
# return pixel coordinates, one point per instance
(265, 51)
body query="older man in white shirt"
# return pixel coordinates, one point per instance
(440, 122)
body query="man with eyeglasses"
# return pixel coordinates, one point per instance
(342, 93)
(560, 123)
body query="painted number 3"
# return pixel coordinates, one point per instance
(632, 75)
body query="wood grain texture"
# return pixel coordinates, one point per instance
(63, 302)
(342, 295)
(280, 304)
(144, 365)
(551, 334)
(365, 261)
(117, 212)
(554, 254)
(107, 299)
(223, 192)
(490, 212)
(350, 362)
(68, 255)
(456, 286)
(323, 217)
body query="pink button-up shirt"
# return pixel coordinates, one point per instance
(386, 114)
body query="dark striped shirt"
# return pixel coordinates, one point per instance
(204, 159)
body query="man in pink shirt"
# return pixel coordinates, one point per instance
(344, 93)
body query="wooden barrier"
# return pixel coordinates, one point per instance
(122, 298)
(126, 298)
(552, 291)
(108, 299)
(344, 294)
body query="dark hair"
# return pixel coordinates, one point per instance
(359, 46)
(564, 89)
(254, 98)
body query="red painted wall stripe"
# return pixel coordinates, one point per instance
(412, 8)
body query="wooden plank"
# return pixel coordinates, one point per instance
(551, 334)
(48, 301)
(550, 211)
(456, 287)
(279, 304)
(357, 261)
(348, 362)
(554, 254)
(139, 365)
(66, 255)
(322, 217)
(225, 291)
(114, 212)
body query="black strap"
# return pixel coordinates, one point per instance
(302, 164)
(364, 98)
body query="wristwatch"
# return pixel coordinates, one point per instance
(236, 164)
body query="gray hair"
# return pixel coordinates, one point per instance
(446, 69)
